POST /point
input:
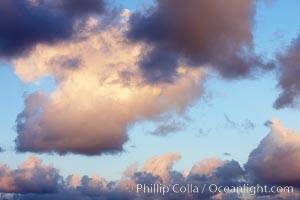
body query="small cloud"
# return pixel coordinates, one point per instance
(247, 124)
(169, 128)
(227, 154)
(268, 123)
(230, 123)
(202, 132)
(243, 126)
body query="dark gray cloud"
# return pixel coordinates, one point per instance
(79, 7)
(153, 61)
(208, 32)
(289, 82)
(26, 23)
(230, 173)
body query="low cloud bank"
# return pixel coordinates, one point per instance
(274, 162)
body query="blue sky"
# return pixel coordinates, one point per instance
(226, 122)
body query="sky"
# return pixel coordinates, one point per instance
(100, 96)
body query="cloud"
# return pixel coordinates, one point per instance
(80, 7)
(276, 160)
(201, 33)
(159, 170)
(243, 126)
(35, 181)
(161, 165)
(227, 154)
(30, 177)
(32, 180)
(289, 68)
(1, 150)
(206, 167)
(167, 128)
(99, 93)
(27, 23)
(66, 61)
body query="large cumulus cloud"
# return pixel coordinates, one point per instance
(276, 160)
(208, 32)
(26, 23)
(99, 93)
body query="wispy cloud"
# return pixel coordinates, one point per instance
(166, 128)
(243, 126)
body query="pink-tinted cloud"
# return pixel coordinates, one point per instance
(30, 177)
(97, 100)
(161, 165)
(206, 167)
(276, 160)
(33, 180)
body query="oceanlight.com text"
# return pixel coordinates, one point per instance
(212, 188)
